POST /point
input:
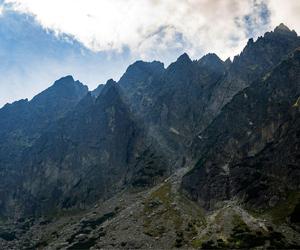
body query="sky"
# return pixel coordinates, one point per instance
(94, 40)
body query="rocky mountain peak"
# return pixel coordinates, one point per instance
(110, 93)
(141, 67)
(181, 65)
(65, 80)
(283, 31)
(282, 28)
(146, 66)
(68, 82)
(65, 87)
(139, 72)
(110, 86)
(97, 90)
(110, 82)
(184, 58)
(211, 60)
(228, 61)
(280, 42)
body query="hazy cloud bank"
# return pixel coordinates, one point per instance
(150, 27)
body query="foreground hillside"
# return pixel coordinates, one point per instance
(157, 218)
(201, 154)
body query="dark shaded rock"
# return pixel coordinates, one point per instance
(67, 149)
(89, 154)
(254, 62)
(148, 170)
(8, 236)
(123, 244)
(140, 73)
(295, 216)
(96, 92)
(177, 103)
(88, 148)
(283, 29)
(169, 101)
(84, 244)
(21, 125)
(93, 223)
(250, 150)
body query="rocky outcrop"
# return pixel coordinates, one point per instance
(255, 61)
(86, 156)
(169, 102)
(68, 149)
(179, 102)
(22, 122)
(249, 151)
(21, 125)
(96, 92)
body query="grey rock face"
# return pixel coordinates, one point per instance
(250, 150)
(179, 102)
(68, 148)
(96, 92)
(83, 157)
(169, 102)
(22, 124)
(255, 61)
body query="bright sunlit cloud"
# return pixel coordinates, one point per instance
(149, 27)
(286, 12)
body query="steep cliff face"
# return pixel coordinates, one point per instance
(169, 101)
(121, 156)
(167, 97)
(83, 157)
(67, 148)
(236, 151)
(256, 60)
(177, 103)
(22, 122)
(96, 92)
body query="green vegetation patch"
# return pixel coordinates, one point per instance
(160, 210)
(283, 210)
(196, 243)
(243, 237)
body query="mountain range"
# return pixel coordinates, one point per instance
(201, 154)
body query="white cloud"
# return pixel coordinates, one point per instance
(149, 27)
(287, 12)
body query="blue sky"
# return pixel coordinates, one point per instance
(32, 58)
(94, 40)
